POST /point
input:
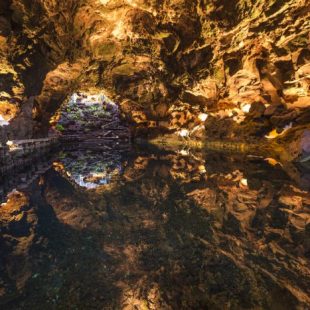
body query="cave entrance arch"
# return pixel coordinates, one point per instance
(90, 120)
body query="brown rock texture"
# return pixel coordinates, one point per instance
(243, 63)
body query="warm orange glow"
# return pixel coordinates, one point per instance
(272, 161)
(274, 134)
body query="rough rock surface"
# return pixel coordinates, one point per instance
(245, 63)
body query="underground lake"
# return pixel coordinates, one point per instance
(154, 155)
(155, 230)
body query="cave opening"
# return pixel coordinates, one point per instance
(88, 116)
(86, 122)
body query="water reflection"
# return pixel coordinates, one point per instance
(89, 169)
(171, 231)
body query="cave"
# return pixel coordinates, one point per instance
(154, 154)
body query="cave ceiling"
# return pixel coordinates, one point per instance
(242, 64)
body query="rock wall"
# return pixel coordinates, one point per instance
(244, 63)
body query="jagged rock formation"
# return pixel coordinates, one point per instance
(244, 63)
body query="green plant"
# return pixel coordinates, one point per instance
(59, 127)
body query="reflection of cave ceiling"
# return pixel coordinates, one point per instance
(234, 234)
(244, 63)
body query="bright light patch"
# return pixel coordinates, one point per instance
(202, 169)
(246, 108)
(119, 31)
(203, 116)
(244, 182)
(184, 152)
(11, 145)
(183, 133)
(3, 122)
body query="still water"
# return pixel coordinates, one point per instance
(155, 230)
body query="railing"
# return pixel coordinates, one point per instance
(22, 152)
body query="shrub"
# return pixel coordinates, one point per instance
(59, 127)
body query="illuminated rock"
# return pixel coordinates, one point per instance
(169, 61)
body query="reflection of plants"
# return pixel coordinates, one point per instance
(74, 117)
(86, 165)
(102, 114)
(59, 127)
(62, 155)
